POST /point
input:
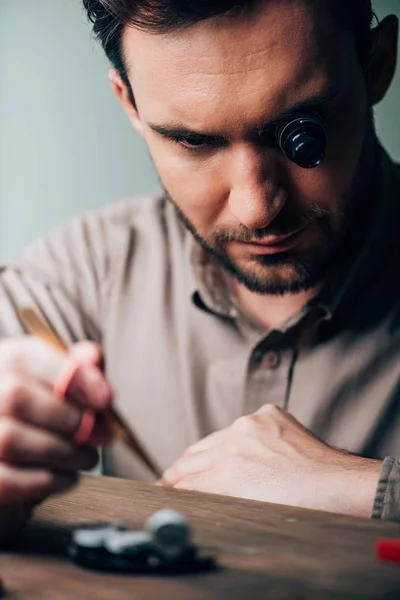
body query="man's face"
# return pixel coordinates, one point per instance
(205, 96)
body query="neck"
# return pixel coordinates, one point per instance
(272, 311)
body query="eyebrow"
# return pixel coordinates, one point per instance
(175, 130)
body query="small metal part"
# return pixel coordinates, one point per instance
(95, 536)
(87, 543)
(129, 542)
(164, 547)
(171, 533)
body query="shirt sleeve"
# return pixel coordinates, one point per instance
(63, 276)
(387, 499)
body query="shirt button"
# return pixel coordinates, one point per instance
(271, 360)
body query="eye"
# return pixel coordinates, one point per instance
(197, 142)
(193, 142)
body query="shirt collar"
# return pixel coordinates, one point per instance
(209, 283)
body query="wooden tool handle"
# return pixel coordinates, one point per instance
(35, 325)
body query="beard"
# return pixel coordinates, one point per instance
(290, 272)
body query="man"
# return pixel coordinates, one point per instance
(248, 318)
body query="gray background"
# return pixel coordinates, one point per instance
(65, 144)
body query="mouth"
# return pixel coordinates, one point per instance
(274, 244)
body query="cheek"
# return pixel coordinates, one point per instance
(328, 186)
(195, 184)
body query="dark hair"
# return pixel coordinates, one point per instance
(109, 17)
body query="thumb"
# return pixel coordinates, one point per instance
(87, 353)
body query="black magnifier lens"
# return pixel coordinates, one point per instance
(303, 141)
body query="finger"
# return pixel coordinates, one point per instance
(25, 399)
(209, 482)
(205, 482)
(17, 484)
(87, 353)
(188, 466)
(31, 356)
(103, 432)
(85, 385)
(211, 441)
(22, 444)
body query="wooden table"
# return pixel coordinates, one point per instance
(264, 550)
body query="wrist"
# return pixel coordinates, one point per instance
(355, 485)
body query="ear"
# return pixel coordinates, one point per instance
(383, 59)
(123, 94)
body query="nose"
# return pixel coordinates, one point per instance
(255, 197)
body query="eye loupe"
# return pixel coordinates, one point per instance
(303, 140)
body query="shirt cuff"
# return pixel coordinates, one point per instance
(387, 499)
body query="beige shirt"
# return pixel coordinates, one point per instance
(184, 360)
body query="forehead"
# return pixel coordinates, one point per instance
(278, 53)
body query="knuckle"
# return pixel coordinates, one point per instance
(14, 353)
(17, 355)
(8, 439)
(241, 424)
(271, 410)
(190, 450)
(245, 424)
(87, 352)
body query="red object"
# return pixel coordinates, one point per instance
(61, 387)
(389, 550)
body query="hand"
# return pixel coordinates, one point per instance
(38, 454)
(269, 456)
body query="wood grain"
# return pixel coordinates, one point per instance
(264, 550)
